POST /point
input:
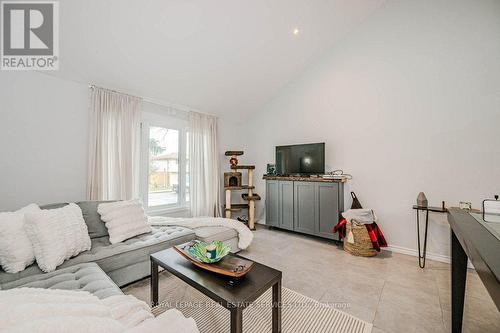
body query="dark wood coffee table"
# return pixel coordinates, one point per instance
(234, 295)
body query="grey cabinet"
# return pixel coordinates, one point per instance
(304, 207)
(279, 204)
(285, 203)
(328, 213)
(272, 203)
(308, 207)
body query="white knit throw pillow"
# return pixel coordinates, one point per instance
(57, 235)
(16, 251)
(124, 219)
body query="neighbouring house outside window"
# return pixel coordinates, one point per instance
(164, 160)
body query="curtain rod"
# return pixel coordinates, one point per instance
(179, 107)
(155, 102)
(93, 86)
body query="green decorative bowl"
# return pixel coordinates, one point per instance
(199, 251)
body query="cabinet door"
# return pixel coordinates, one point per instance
(286, 205)
(327, 208)
(305, 207)
(272, 203)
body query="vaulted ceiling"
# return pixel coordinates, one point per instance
(226, 57)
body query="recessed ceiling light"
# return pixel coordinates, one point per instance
(296, 31)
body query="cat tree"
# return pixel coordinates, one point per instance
(232, 182)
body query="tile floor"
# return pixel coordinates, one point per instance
(389, 290)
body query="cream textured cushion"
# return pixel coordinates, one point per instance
(124, 219)
(16, 251)
(57, 235)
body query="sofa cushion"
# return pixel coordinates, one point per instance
(96, 226)
(92, 218)
(16, 251)
(137, 249)
(57, 235)
(111, 257)
(87, 276)
(124, 219)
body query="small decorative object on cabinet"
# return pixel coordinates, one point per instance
(232, 182)
(271, 169)
(422, 200)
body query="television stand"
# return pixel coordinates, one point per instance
(308, 205)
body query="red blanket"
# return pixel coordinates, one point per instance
(340, 227)
(376, 235)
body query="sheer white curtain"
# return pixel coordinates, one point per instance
(114, 145)
(204, 178)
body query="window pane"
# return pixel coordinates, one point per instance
(163, 177)
(187, 167)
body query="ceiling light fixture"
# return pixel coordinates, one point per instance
(296, 31)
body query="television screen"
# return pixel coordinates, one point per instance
(307, 159)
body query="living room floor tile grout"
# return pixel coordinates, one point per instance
(389, 290)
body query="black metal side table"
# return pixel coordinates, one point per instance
(422, 254)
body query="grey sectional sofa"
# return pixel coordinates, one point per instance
(106, 266)
(87, 276)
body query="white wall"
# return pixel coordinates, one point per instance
(408, 102)
(43, 139)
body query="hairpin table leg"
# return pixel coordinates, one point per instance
(421, 254)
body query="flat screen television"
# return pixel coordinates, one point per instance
(306, 159)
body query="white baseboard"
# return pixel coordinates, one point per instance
(411, 252)
(414, 253)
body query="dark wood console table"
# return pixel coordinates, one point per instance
(470, 239)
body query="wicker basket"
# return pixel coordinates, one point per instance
(362, 245)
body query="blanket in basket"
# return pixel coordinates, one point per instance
(375, 233)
